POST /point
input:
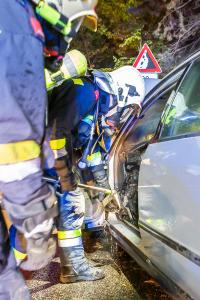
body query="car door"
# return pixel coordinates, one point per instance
(138, 132)
(169, 188)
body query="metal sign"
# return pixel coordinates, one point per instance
(150, 75)
(146, 62)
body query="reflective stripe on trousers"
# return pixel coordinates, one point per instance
(94, 159)
(19, 254)
(58, 144)
(69, 238)
(70, 220)
(19, 171)
(58, 147)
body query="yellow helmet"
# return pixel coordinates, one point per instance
(74, 65)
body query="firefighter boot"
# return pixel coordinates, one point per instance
(75, 266)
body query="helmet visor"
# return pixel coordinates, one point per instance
(91, 23)
(81, 9)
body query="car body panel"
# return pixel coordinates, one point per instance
(169, 204)
(176, 267)
(169, 190)
(150, 83)
(168, 194)
(128, 239)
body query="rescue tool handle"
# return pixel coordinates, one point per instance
(95, 188)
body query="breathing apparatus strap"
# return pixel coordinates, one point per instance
(52, 16)
(87, 151)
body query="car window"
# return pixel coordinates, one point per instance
(146, 126)
(183, 113)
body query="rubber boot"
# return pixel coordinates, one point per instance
(75, 266)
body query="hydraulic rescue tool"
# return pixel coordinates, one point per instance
(111, 195)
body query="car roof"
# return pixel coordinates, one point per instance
(163, 85)
(150, 83)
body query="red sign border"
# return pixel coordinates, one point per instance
(157, 68)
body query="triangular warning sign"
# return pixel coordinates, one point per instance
(146, 62)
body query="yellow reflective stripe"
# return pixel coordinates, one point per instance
(48, 80)
(171, 114)
(102, 144)
(19, 255)
(78, 81)
(69, 234)
(89, 117)
(17, 152)
(94, 155)
(57, 144)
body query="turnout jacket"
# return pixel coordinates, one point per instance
(68, 105)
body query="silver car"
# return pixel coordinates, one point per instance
(155, 167)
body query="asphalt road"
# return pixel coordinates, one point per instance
(45, 285)
(124, 280)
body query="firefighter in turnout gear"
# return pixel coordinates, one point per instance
(28, 28)
(75, 109)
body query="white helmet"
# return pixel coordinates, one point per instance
(130, 86)
(75, 12)
(126, 83)
(78, 10)
(81, 9)
(126, 88)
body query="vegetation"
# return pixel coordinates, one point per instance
(169, 27)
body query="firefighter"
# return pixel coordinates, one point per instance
(85, 100)
(29, 201)
(119, 91)
(74, 63)
(73, 107)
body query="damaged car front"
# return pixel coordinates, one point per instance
(154, 166)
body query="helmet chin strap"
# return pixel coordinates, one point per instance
(74, 31)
